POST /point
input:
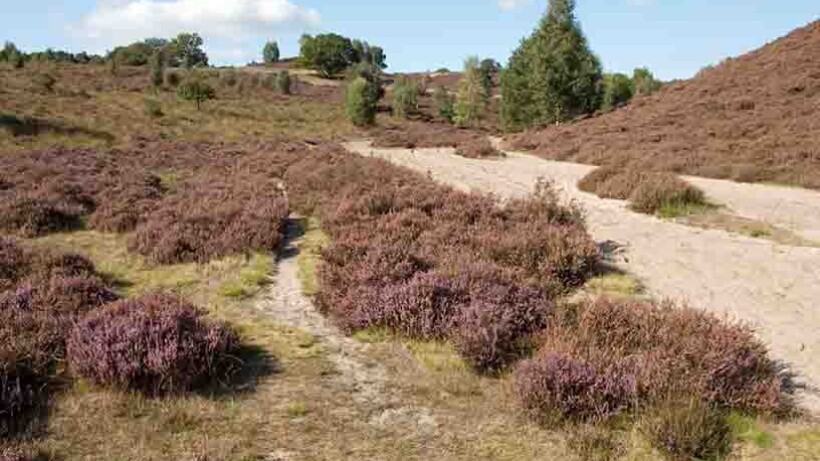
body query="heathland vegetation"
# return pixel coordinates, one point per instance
(144, 197)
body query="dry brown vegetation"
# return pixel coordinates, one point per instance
(751, 118)
(647, 191)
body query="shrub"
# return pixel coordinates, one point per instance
(157, 65)
(470, 105)
(690, 429)
(33, 216)
(157, 344)
(554, 387)
(405, 98)
(172, 79)
(196, 90)
(359, 103)
(674, 351)
(44, 82)
(645, 82)
(283, 82)
(13, 263)
(444, 103)
(127, 203)
(153, 108)
(478, 148)
(647, 192)
(618, 90)
(667, 194)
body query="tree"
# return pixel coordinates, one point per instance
(553, 76)
(618, 90)
(270, 53)
(157, 68)
(359, 103)
(471, 102)
(405, 97)
(186, 49)
(196, 90)
(373, 75)
(645, 82)
(489, 68)
(327, 53)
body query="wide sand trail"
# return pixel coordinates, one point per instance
(771, 286)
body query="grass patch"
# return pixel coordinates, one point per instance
(676, 209)
(310, 255)
(297, 409)
(747, 429)
(373, 335)
(437, 356)
(615, 284)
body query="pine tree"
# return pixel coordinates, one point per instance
(553, 76)
(270, 54)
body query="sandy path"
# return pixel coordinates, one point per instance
(285, 302)
(773, 287)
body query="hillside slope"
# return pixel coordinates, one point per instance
(752, 118)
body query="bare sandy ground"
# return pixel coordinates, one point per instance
(773, 287)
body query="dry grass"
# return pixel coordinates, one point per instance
(90, 108)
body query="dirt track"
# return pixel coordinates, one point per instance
(773, 287)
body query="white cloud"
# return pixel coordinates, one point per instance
(120, 21)
(512, 4)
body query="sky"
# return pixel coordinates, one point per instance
(674, 38)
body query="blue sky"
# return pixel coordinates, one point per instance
(675, 38)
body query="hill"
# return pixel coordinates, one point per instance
(753, 118)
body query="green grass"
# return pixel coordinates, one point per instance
(747, 429)
(677, 209)
(615, 284)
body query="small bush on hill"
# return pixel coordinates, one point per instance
(172, 79)
(283, 82)
(618, 90)
(359, 103)
(647, 192)
(197, 90)
(555, 387)
(405, 98)
(471, 102)
(478, 148)
(156, 344)
(444, 103)
(44, 82)
(666, 194)
(671, 351)
(689, 429)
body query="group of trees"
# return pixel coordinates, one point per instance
(331, 54)
(553, 76)
(183, 51)
(17, 58)
(619, 88)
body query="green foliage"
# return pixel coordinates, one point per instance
(618, 90)
(157, 68)
(331, 54)
(12, 55)
(471, 102)
(405, 98)
(444, 102)
(186, 51)
(371, 73)
(489, 68)
(553, 76)
(195, 89)
(135, 54)
(644, 82)
(283, 82)
(327, 53)
(270, 53)
(359, 102)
